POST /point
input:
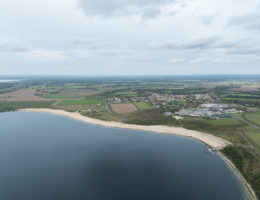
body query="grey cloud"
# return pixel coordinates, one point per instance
(199, 60)
(115, 52)
(207, 20)
(242, 51)
(242, 47)
(100, 48)
(204, 43)
(249, 22)
(111, 8)
(235, 47)
(7, 45)
(150, 13)
(91, 44)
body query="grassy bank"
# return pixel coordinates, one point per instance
(13, 105)
(247, 162)
(81, 102)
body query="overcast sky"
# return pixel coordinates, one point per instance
(129, 37)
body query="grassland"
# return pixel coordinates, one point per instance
(12, 105)
(60, 96)
(217, 126)
(81, 102)
(125, 94)
(103, 115)
(254, 138)
(143, 105)
(254, 117)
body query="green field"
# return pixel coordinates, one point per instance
(6, 106)
(125, 94)
(254, 138)
(216, 126)
(241, 99)
(81, 102)
(254, 117)
(142, 105)
(60, 96)
(225, 122)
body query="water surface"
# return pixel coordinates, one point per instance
(48, 157)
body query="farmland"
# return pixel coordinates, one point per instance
(123, 108)
(60, 96)
(21, 95)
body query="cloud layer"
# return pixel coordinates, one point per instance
(112, 8)
(129, 37)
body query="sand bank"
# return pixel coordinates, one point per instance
(211, 140)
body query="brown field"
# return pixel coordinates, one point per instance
(123, 108)
(253, 88)
(21, 95)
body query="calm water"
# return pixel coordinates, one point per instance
(47, 157)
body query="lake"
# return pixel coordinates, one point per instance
(49, 157)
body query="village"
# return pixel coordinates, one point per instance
(194, 105)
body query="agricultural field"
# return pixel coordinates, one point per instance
(254, 117)
(21, 95)
(81, 102)
(60, 96)
(252, 88)
(125, 94)
(123, 108)
(143, 105)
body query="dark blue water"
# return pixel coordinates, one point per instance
(48, 157)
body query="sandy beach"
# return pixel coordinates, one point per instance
(211, 140)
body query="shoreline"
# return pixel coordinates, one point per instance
(212, 141)
(239, 174)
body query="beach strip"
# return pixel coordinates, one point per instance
(211, 140)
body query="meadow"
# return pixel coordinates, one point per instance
(81, 102)
(13, 105)
(254, 117)
(143, 105)
(60, 96)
